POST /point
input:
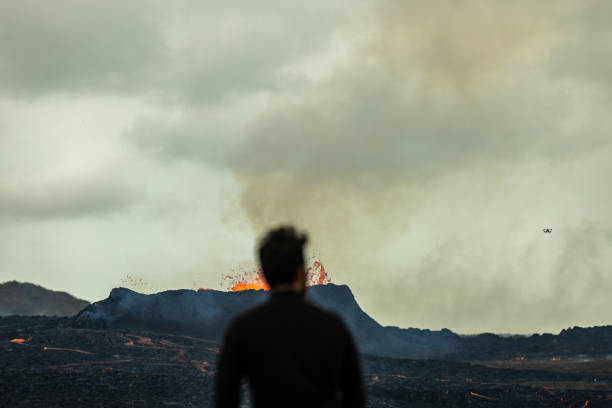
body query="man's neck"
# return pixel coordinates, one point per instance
(286, 287)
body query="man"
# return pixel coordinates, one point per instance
(293, 353)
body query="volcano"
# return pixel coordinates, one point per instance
(206, 313)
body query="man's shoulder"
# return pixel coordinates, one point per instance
(262, 312)
(250, 318)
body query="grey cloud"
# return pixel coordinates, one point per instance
(72, 46)
(199, 135)
(585, 54)
(234, 50)
(64, 199)
(178, 142)
(179, 52)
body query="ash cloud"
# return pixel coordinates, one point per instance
(427, 164)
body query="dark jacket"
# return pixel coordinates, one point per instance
(293, 353)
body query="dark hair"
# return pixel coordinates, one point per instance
(281, 252)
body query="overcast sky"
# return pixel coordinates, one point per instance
(422, 145)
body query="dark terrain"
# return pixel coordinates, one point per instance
(206, 313)
(136, 350)
(59, 363)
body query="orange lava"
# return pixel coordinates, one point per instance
(586, 403)
(374, 380)
(254, 280)
(18, 341)
(556, 358)
(317, 275)
(202, 366)
(144, 340)
(257, 283)
(67, 349)
(474, 394)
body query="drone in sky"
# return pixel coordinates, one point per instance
(547, 230)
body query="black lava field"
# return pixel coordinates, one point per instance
(53, 362)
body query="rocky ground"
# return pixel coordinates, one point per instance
(50, 362)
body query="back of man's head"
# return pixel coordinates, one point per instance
(281, 253)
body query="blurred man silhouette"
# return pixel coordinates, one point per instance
(293, 353)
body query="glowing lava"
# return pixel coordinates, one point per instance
(475, 394)
(67, 349)
(374, 380)
(18, 341)
(316, 274)
(254, 280)
(257, 283)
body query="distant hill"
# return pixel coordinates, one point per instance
(27, 299)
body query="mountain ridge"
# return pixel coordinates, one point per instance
(207, 313)
(28, 299)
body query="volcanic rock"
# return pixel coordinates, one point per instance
(47, 362)
(206, 313)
